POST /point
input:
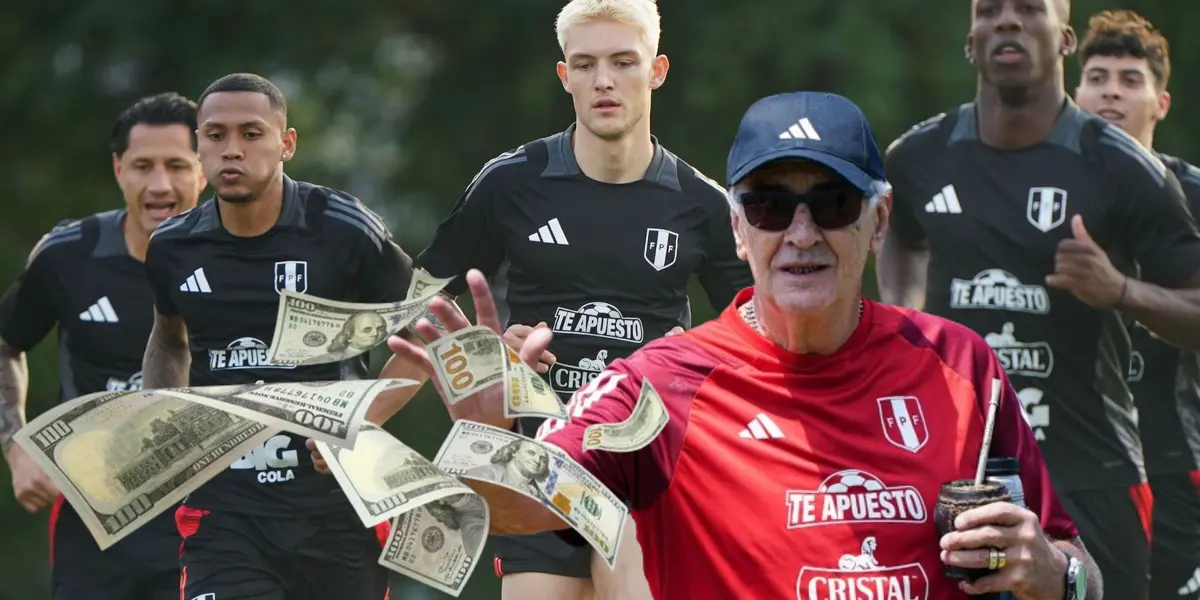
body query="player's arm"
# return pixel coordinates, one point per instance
(167, 359)
(903, 263)
(1045, 517)
(1161, 234)
(27, 314)
(722, 274)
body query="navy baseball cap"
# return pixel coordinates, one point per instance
(824, 128)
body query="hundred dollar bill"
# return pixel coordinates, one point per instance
(383, 478)
(122, 458)
(422, 281)
(644, 424)
(542, 472)
(473, 358)
(439, 543)
(331, 411)
(312, 331)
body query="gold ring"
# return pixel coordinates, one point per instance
(1001, 559)
(993, 559)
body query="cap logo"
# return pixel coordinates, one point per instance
(800, 130)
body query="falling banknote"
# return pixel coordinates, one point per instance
(122, 458)
(474, 358)
(644, 424)
(311, 330)
(540, 471)
(330, 411)
(439, 542)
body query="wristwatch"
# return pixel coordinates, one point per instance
(1076, 579)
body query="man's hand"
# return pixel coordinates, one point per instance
(517, 334)
(318, 461)
(1082, 267)
(487, 405)
(32, 488)
(1034, 568)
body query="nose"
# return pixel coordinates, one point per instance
(1111, 89)
(603, 81)
(232, 150)
(803, 233)
(1009, 20)
(159, 183)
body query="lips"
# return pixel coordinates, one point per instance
(1110, 114)
(606, 103)
(804, 268)
(1008, 48)
(159, 209)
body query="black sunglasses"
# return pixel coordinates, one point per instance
(833, 205)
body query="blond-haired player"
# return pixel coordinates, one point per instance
(600, 228)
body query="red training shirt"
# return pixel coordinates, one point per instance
(813, 477)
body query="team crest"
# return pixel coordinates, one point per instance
(903, 422)
(1047, 207)
(291, 276)
(662, 247)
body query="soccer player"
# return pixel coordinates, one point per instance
(270, 527)
(600, 229)
(1019, 215)
(810, 429)
(1125, 69)
(86, 276)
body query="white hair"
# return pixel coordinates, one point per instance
(640, 14)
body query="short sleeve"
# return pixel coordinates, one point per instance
(1159, 230)
(384, 273)
(28, 310)
(903, 224)
(158, 274)
(723, 274)
(469, 238)
(1014, 438)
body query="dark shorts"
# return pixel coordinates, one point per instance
(142, 566)
(229, 556)
(541, 553)
(1175, 546)
(1115, 526)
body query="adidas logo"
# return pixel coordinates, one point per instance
(944, 202)
(1192, 586)
(550, 233)
(800, 130)
(761, 427)
(196, 282)
(100, 312)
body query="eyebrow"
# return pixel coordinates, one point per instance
(255, 122)
(582, 55)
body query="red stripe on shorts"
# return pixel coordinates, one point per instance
(55, 510)
(1143, 502)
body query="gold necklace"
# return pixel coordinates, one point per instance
(751, 317)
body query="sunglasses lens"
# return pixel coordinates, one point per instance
(769, 211)
(835, 208)
(831, 208)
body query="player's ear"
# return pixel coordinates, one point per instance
(116, 166)
(1070, 41)
(1164, 105)
(739, 243)
(658, 71)
(561, 68)
(883, 211)
(967, 49)
(289, 145)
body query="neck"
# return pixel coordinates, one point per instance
(1147, 138)
(623, 160)
(136, 240)
(1019, 117)
(256, 217)
(823, 334)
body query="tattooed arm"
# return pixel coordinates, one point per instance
(167, 358)
(14, 381)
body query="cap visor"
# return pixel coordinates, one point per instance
(842, 167)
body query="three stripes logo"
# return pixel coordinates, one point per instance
(944, 202)
(196, 283)
(100, 312)
(800, 130)
(1190, 588)
(550, 233)
(761, 427)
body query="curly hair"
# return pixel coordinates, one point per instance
(1124, 33)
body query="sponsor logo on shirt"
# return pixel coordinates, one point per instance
(273, 460)
(566, 378)
(854, 496)
(1036, 413)
(598, 319)
(133, 384)
(242, 353)
(1137, 367)
(996, 289)
(1032, 359)
(903, 422)
(860, 576)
